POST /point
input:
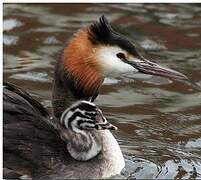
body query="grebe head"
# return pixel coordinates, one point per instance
(85, 116)
(98, 51)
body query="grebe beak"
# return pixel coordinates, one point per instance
(147, 67)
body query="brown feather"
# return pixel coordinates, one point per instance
(80, 61)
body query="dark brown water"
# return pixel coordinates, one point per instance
(159, 120)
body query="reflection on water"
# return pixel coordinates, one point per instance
(159, 120)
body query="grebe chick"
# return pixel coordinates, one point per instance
(79, 146)
(95, 52)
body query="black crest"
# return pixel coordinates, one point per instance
(101, 32)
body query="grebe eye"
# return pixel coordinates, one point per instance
(121, 55)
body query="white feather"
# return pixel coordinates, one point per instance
(95, 149)
(111, 64)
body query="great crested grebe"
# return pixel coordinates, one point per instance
(93, 53)
(78, 146)
(32, 143)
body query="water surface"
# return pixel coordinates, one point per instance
(159, 120)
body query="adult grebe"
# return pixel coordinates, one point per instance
(93, 53)
(79, 146)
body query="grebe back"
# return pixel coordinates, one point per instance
(80, 145)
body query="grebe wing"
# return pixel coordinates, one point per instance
(18, 101)
(29, 139)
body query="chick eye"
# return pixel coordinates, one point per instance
(121, 55)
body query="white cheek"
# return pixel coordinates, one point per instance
(111, 64)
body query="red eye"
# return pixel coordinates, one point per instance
(121, 55)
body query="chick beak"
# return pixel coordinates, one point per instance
(107, 125)
(148, 67)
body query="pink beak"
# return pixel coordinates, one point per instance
(147, 67)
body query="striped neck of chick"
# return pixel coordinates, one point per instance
(81, 123)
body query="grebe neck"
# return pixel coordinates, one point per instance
(77, 74)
